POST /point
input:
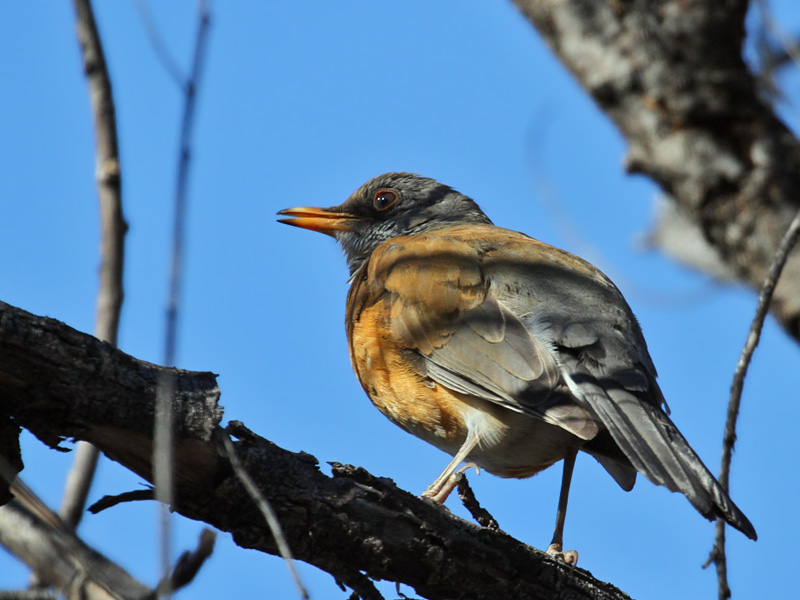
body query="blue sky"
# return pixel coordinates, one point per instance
(300, 104)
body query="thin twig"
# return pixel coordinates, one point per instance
(266, 509)
(181, 188)
(38, 537)
(157, 42)
(717, 555)
(189, 563)
(467, 496)
(162, 448)
(788, 45)
(112, 235)
(107, 502)
(163, 467)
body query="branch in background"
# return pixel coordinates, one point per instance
(672, 79)
(157, 42)
(163, 446)
(182, 184)
(729, 438)
(189, 564)
(61, 560)
(351, 525)
(28, 529)
(267, 512)
(112, 234)
(771, 58)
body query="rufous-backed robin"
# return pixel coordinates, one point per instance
(500, 349)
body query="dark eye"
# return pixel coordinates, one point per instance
(385, 199)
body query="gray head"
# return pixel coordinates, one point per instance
(387, 206)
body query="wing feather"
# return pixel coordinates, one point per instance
(443, 308)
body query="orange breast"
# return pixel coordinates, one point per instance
(388, 359)
(396, 388)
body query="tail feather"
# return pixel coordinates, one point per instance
(655, 447)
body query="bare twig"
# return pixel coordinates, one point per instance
(790, 47)
(266, 510)
(42, 540)
(157, 42)
(78, 483)
(163, 459)
(775, 49)
(189, 563)
(717, 555)
(107, 502)
(467, 496)
(112, 234)
(182, 184)
(163, 469)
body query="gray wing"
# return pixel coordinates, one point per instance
(493, 356)
(603, 357)
(442, 307)
(518, 326)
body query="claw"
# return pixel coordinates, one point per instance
(469, 465)
(570, 556)
(439, 493)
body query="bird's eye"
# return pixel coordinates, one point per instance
(385, 199)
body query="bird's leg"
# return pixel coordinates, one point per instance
(440, 489)
(556, 547)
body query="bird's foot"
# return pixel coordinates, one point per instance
(440, 489)
(570, 556)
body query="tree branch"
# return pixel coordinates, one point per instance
(672, 78)
(112, 233)
(60, 383)
(58, 557)
(729, 438)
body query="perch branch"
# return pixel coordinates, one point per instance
(59, 383)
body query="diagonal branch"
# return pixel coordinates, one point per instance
(59, 558)
(671, 77)
(59, 383)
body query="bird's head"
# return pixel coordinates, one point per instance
(387, 206)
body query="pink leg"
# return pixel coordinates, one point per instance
(440, 489)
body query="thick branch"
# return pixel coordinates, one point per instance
(60, 383)
(671, 76)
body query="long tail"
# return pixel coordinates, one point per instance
(655, 448)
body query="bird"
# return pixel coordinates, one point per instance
(503, 351)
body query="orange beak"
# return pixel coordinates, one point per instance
(322, 220)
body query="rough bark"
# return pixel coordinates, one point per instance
(60, 383)
(671, 76)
